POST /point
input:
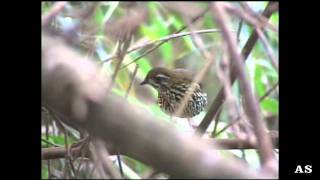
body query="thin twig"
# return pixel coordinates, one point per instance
(223, 73)
(238, 118)
(68, 150)
(199, 76)
(253, 20)
(226, 127)
(103, 155)
(132, 81)
(83, 150)
(158, 45)
(239, 30)
(174, 36)
(59, 152)
(98, 163)
(123, 45)
(126, 96)
(166, 38)
(269, 91)
(218, 101)
(247, 9)
(217, 119)
(195, 81)
(47, 137)
(54, 11)
(268, 48)
(105, 120)
(252, 110)
(67, 157)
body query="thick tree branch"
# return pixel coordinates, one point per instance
(73, 87)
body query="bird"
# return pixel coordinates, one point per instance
(172, 85)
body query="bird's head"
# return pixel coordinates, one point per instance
(163, 78)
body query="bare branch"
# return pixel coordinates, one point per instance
(54, 11)
(268, 48)
(103, 156)
(218, 101)
(224, 144)
(199, 76)
(269, 92)
(166, 38)
(151, 141)
(158, 45)
(253, 18)
(252, 109)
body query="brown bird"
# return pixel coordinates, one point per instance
(172, 86)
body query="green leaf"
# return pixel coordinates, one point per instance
(270, 105)
(259, 85)
(99, 16)
(44, 172)
(45, 7)
(177, 23)
(158, 29)
(269, 69)
(57, 139)
(166, 51)
(144, 66)
(275, 19)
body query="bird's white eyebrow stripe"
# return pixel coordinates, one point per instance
(162, 76)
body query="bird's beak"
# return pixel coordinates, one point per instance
(143, 82)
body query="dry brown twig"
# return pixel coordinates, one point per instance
(47, 137)
(269, 91)
(59, 152)
(223, 73)
(123, 45)
(268, 48)
(166, 38)
(238, 118)
(252, 110)
(158, 45)
(102, 119)
(126, 96)
(198, 77)
(103, 156)
(252, 18)
(54, 11)
(68, 155)
(218, 101)
(132, 80)
(98, 168)
(217, 118)
(246, 8)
